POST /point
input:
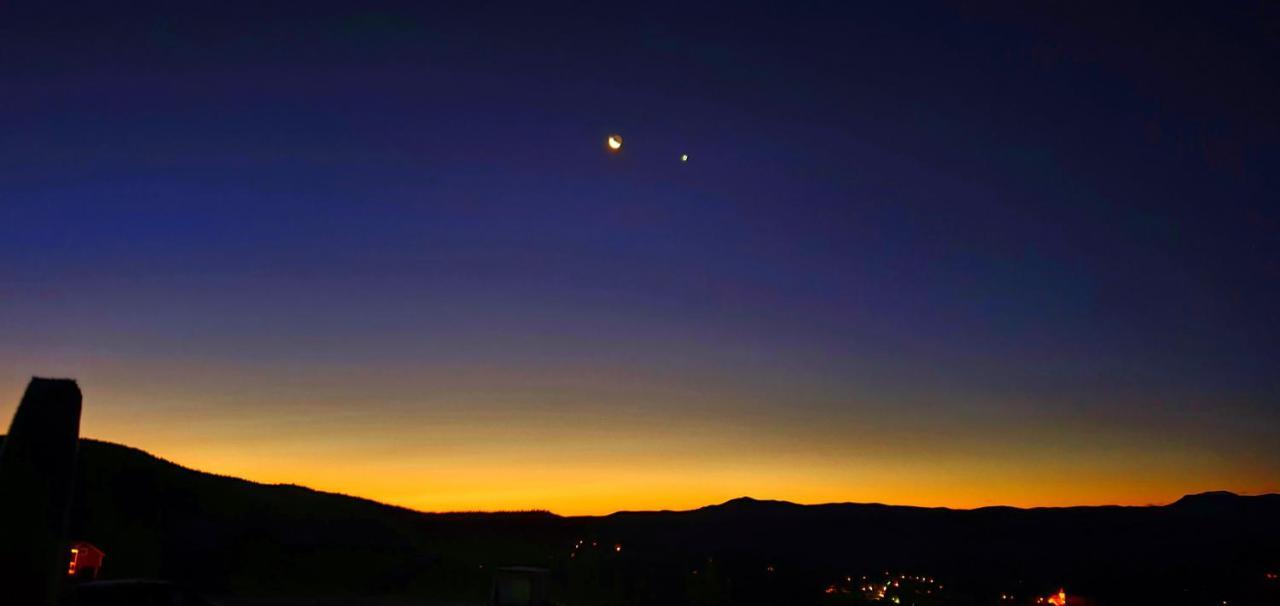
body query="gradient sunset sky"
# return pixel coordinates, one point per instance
(923, 254)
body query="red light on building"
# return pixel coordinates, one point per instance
(85, 561)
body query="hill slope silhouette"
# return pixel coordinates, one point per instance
(228, 536)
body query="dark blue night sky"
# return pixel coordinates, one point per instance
(912, 245)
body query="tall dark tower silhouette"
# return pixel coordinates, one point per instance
(37, 467)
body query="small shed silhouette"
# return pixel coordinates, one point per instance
(519, 586)
(86, 561)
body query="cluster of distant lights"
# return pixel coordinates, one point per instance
(581, 544)
(890, 587)
(614, 144)
(875, 590)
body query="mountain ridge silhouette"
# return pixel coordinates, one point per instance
(228, 536)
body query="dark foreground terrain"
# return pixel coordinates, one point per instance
(247, 542)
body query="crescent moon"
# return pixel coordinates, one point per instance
(615, 142)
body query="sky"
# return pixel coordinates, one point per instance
(924, 254)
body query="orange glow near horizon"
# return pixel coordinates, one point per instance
(443, 479)
(460, 453)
